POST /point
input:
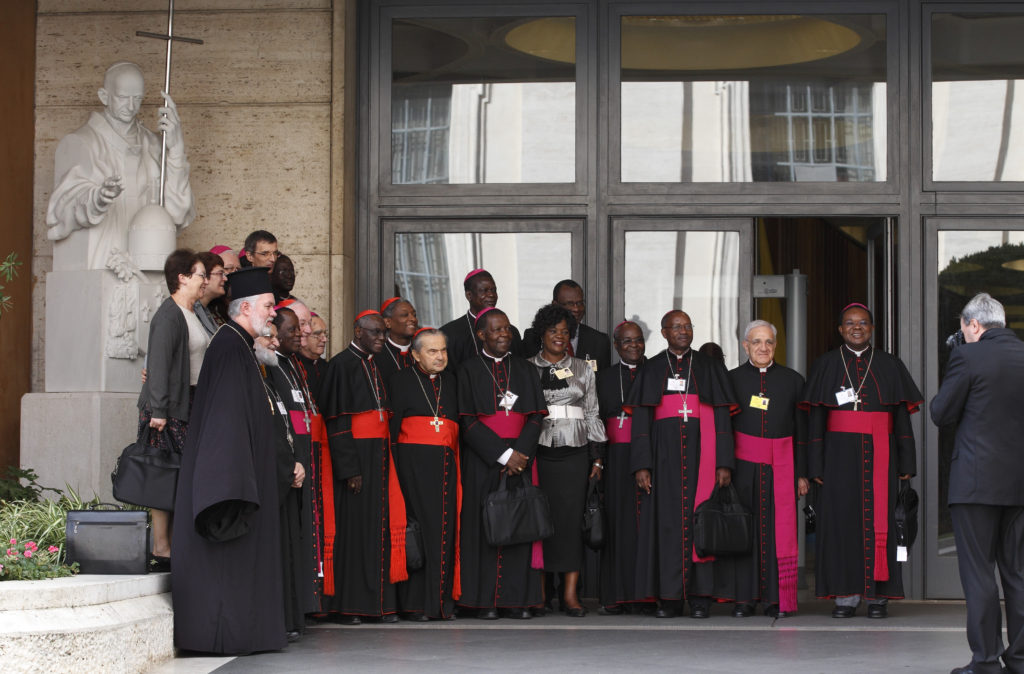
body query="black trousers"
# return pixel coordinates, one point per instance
(987, 538)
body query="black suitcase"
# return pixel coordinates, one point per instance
(104, 541)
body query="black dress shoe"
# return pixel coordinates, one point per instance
(878, 611)
(774, 612)
(614, 609)
(540, 611)
(742, 610)
(416, 617)
(487, 614)
(844, 611)
(292, 636)
(577, 612)
(159, 564)
(517, 613)
(666, 612)
(389, 618)
(699, 611)
(346, 619)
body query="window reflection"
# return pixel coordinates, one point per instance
(697, 272)
(971, 262)
(483, 100)
(430, 268)
(753, 99)
(977, 65)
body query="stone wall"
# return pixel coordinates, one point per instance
(263, 113)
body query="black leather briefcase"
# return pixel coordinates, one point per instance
(113, 541)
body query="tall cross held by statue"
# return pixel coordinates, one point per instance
(170, 37)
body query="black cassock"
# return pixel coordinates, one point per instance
(353, 391)
(392, 359)
(847, 533)
(463, 344)
(492, 577)
(429, 475)
(670, 448)
(226, 562)
(755, 577)
(618, 575)
(291, 388)
(313, 371)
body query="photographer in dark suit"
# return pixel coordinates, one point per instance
(981, 393)
(588, 344)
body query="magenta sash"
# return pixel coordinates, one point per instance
(778, 453)
(670, 407)
(618, 435)
(878, 425)
(299, 422)
(508, 427)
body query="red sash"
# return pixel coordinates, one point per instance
(420, 431)
(778, 453)
(672, 405)
(618, 435)
(369, 425)
(879, 426)
(327, 496)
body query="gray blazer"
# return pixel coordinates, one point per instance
(981, 393)
(166, 387)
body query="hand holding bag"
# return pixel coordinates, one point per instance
(594, 517)
(145, 475)
(722, 525)
(514, 515)
(905, 514)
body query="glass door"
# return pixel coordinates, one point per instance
(964, 256)
(702, 266)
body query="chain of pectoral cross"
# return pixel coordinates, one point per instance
(686, 411)
(437, 423)
(856, 395)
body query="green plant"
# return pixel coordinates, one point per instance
(11, 488)
(27, 561)
(8, 271)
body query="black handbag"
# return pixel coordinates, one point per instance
(108, 541)
(722, 525)
(514, 515)
(413, 545)
(905, 514)
(147, 476)
(593, 517)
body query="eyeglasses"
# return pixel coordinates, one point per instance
(200, 274)
(320, 333)
(221, 273)
(268, 253)
(374, 332)
(231, 270)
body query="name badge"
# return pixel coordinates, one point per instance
(592, 364)
(676, 384)
(759, 402)
(282, 408)
(297, 396)
(901, 553)
(563, 373)
(845, 396)
(508, 400)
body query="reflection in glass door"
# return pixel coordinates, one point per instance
(966, 257)
(701, 267)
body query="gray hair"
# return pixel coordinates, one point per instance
(235, 308)
(759, 324)
(987, 310)
(417, 341)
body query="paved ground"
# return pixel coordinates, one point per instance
(917, 637)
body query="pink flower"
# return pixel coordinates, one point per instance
(14, 541)
(52, 548)
(11, 552)
(31, 546)
(28, 553)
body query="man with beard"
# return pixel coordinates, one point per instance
(501, 406)
(618, 575)
(681, 447)
(859, 400)
(426, 432)
(463, 343)
(400, 318)
(770, 437)
(226, 571)
(589, 344)
(370, 539)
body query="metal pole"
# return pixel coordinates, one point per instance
(796, 321)
(167, 89)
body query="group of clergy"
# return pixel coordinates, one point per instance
(387, 453)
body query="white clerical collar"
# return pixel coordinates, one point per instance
(679, 355)
(761, 369)
(859, 353)
(469, 312)
(369, 356)
(401, 348)
(495, 358)
(631, 367)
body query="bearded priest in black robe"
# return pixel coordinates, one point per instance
(859, 401)
(617, 585)
(369, 549)
(463, 342)
(425, 428)
(501, 406)
(770, 434)
(226, 564)
(681, 447)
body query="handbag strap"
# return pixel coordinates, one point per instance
(109, 506)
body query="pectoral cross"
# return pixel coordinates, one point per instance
(305, 416)
(686, 411)
(437, 424)
(856, 403)
(622, 418)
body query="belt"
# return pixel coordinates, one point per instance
(565, 412)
